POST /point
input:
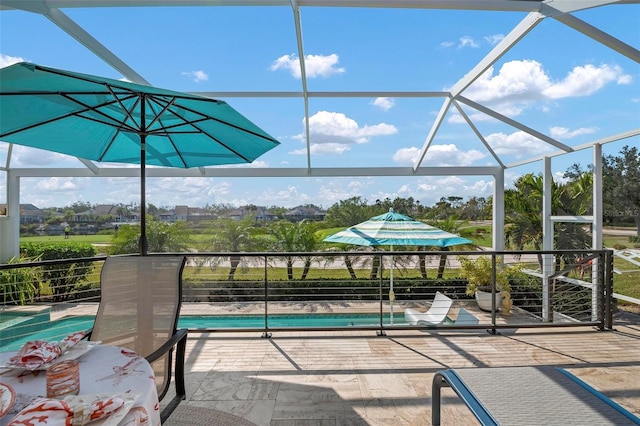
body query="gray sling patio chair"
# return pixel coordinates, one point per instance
(139, 309)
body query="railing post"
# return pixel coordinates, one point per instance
(606, 277)
(493, 294)
(381, 332)
(266, 333)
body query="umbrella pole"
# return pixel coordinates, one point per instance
(144, 244)
(392, 296)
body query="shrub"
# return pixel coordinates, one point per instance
(479, 274)
(61, 278)
(18, 286)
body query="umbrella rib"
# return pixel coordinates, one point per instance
(111, 121)
(226, 123)
(205, 117)
(125, 109)
(152, 106)
(160, 113)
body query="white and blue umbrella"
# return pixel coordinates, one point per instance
(395, 229)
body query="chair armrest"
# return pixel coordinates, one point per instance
(166, 346)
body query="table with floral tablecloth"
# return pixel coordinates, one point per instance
(107, 370)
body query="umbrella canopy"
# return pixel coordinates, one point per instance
(102, 119)
(395, 229)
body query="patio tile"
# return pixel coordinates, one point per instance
(358, 378)
(223, 386)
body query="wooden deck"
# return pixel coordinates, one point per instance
(358, 378)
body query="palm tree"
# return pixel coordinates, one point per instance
(308, 242)
(285, 240)
(523, 213)
(233, 236)
(295, 237)
(450, 224)
(162, 237)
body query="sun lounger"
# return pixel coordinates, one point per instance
(437, 313)
(528, 396)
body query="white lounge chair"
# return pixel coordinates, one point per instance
(436, 314)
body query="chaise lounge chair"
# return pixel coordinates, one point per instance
(528, 396)
(437, 313)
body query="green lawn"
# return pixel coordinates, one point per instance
(92, 239)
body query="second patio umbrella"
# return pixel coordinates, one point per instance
(395, 229)
(102, 119)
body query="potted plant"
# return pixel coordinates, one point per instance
(479, 280)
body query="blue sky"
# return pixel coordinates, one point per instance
(555, 80)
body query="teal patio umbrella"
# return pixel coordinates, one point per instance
(395, 229)
(108, 120)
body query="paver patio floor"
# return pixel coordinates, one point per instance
(358, 378)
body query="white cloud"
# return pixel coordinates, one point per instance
(518, 84)
(6, 60)
(290, 196)
(197, 76)
(335, 190)
(525, 81)
(564, 133)
(337, 131)
(515, 81)
(383, 103)
(315, 65)
(586, 80)
(442, 155)
(257, 164)
(57, 184)
(406, 156)
(494, 39)
(467, 41)
(625, 79)
(447, 44)
(325, 148)
(518, 144)
(558, 177)
(23, 156)
(430, 189)
(194, 191)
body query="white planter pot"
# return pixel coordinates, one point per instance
(483, 298)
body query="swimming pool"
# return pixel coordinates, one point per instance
(286, 320)
(56, 330)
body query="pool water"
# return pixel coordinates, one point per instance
(282, 320)
(56, 330)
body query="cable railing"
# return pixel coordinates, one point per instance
(321, 291)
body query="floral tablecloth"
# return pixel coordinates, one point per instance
(103, 370)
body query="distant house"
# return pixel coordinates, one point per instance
(258, 213)
(187, 213)
(181, 213)
(28, 213)
(118, 213)
(197, 213)
(85, 216)
(300, 213)
(169, 216)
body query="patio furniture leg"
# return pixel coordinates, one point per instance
(436, 385)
